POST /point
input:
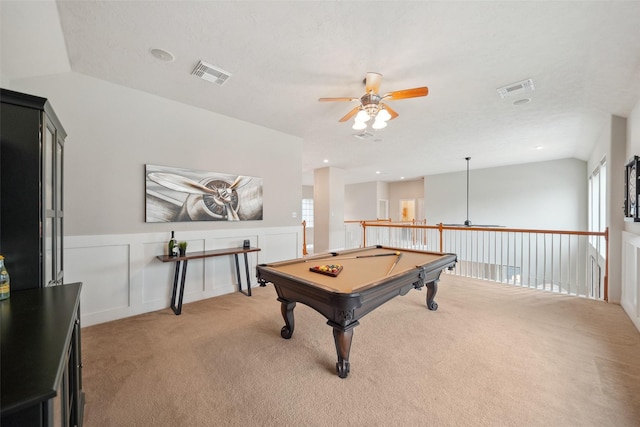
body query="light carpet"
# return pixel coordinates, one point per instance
(491, 355)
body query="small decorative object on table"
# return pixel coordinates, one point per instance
(182, 246)
(5, 283)
(246, 244)
(172, 245)
(330, 269)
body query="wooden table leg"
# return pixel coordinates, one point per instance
(286, 307)
(432, 290)
(343, 337)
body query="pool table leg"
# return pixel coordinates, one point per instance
(286, 307)
(342, 337)
(432, 289)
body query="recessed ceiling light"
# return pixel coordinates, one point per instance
(326, 160)
(377, 172)
(522, 101)
(402, 177)
(161, 54)
(539, 147)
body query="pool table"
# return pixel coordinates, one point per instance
(369, 277)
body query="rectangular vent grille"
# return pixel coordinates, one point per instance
(363, 135)
(514, 88)
(210, 73)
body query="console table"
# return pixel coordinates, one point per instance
(181, 263)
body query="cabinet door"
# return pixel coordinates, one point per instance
(48, 196)
(59, 214)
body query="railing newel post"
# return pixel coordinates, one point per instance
(304, 237)
(606, 265)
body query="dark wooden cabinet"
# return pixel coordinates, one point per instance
(40, 342)
(41, 358)
(31, 183)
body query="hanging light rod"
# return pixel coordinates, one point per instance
(467, 222)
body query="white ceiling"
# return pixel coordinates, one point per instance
(583, 56)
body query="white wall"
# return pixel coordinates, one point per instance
(400, 190)
(633, 149)
(328, 209)
(307, 191)
(630, 246)
(113, 132)
(361, 201)
(546, 195)
(382, 194)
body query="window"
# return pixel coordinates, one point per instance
(307, 211)
(598, 204)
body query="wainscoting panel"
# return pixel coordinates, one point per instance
(108, 267)
(158, 276)
(280, 247)
(122, 277)
(631, 276)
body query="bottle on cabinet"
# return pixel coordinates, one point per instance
(5, 288)
(173, 245)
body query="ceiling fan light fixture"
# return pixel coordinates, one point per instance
(371, 109)
(362, 116)
(383, 115)
(371, 103)
(379, 124)
(359, 125)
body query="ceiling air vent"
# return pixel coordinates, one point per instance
(515, 88)
(210, 73)
(363, 135)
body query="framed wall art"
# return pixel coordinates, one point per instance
(183, 195)
(632, 190)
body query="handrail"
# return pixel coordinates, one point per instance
(587, 259)
(367, 220)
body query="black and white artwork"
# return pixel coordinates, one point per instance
(182, 195)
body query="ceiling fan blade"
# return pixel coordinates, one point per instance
(350, 114)
(406, 93)
(338, 99)
(391, 111)
(373, 81)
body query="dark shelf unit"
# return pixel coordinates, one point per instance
(31, 185)
(41, 377)
(41, 358)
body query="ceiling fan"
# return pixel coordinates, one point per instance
(371, 105)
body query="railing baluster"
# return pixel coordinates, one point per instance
(545, 257)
